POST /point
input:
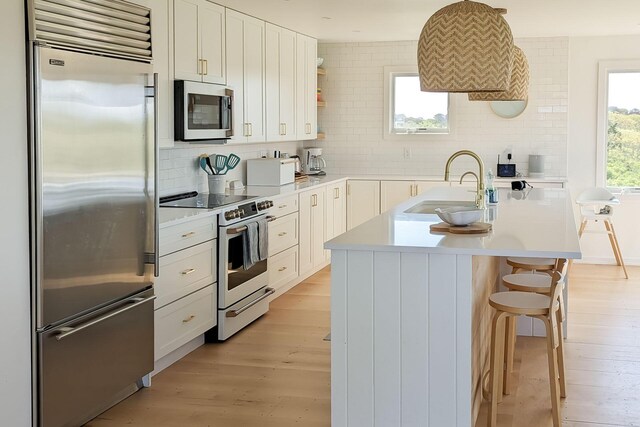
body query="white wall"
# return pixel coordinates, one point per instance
(584, 55)
(353, 119)
(180, 171)
(15, 350)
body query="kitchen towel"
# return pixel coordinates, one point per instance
(256, 243)
(263, 238)
(251, 242)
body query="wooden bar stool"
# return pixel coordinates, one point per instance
(531, 264)
(541, 284)
(544, 307)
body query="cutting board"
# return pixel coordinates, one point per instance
(475, 228)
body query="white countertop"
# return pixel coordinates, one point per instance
(440, 178)
(173, 216)
(540, 225)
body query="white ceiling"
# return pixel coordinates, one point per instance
(388, 20)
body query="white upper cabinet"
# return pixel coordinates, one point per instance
(245, 47)
(199, 41)
(280, 84)
(306, 88)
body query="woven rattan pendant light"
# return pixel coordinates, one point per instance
(465, 47)
(519, 86)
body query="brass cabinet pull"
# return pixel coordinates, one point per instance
(285, 128)
(250, 129)
(188, 271)
(189, 319)
(206, 67)
(284, 233)
(282, 268)
(189, 234)
(282, 206)
(200, 66)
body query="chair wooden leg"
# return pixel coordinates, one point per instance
(514, 270)
(496, 365)
(510, 345)
(560, 352)
(554, 384)
(582, 227)
(612, 241)
(615, 241)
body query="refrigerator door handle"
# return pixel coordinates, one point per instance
(67, 331)
(154, 258)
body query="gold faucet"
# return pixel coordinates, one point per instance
(480, 176)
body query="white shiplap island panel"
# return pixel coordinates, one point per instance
(410, 323)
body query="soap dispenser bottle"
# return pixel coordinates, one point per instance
(492, 192)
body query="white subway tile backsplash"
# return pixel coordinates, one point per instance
(353, 118)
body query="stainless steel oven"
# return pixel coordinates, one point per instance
(242, 293)
(202, 111)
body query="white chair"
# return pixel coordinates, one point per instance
(596, 205)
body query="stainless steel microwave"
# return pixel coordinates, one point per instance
(202, 111)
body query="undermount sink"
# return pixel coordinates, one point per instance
(429, 206)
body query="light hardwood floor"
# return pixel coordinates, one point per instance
(277, 371)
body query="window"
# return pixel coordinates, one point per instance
(619, 125)
(408, 110)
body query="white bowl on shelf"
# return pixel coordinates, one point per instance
(319, 62)
(459, 216)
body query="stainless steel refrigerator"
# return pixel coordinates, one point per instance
(94, 230)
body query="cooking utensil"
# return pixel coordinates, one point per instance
(208, 161)
(232, 162)
(202, 161)
(221, 162)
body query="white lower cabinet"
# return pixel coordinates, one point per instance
(336, 212)
(395, 192)
(283, 233)
(184, 272)
(283, 268)
(363, 201)
(181, 321)
(312, 229)
(283, 241)
(186, 294)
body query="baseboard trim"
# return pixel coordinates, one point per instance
(607, 261)
(177, 354)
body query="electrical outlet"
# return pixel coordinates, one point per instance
(407, 153)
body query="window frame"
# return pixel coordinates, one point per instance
(389, 97)
(604, 69)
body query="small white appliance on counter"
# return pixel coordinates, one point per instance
(536, 166)
(312, 161)
(271, 172)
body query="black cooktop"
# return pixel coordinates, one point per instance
(201, 201)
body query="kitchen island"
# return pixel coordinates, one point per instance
(410, 320)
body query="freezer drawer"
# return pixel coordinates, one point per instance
(90, 364)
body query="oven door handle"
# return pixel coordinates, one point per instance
(234, 313)
(238, 230)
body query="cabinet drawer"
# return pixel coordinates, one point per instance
(186, 271)
(181, 321)
(283, 233)
(187, 234)
(284, 206)
(283, 267)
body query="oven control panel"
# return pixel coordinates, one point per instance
(265, 205)
(247, 210)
